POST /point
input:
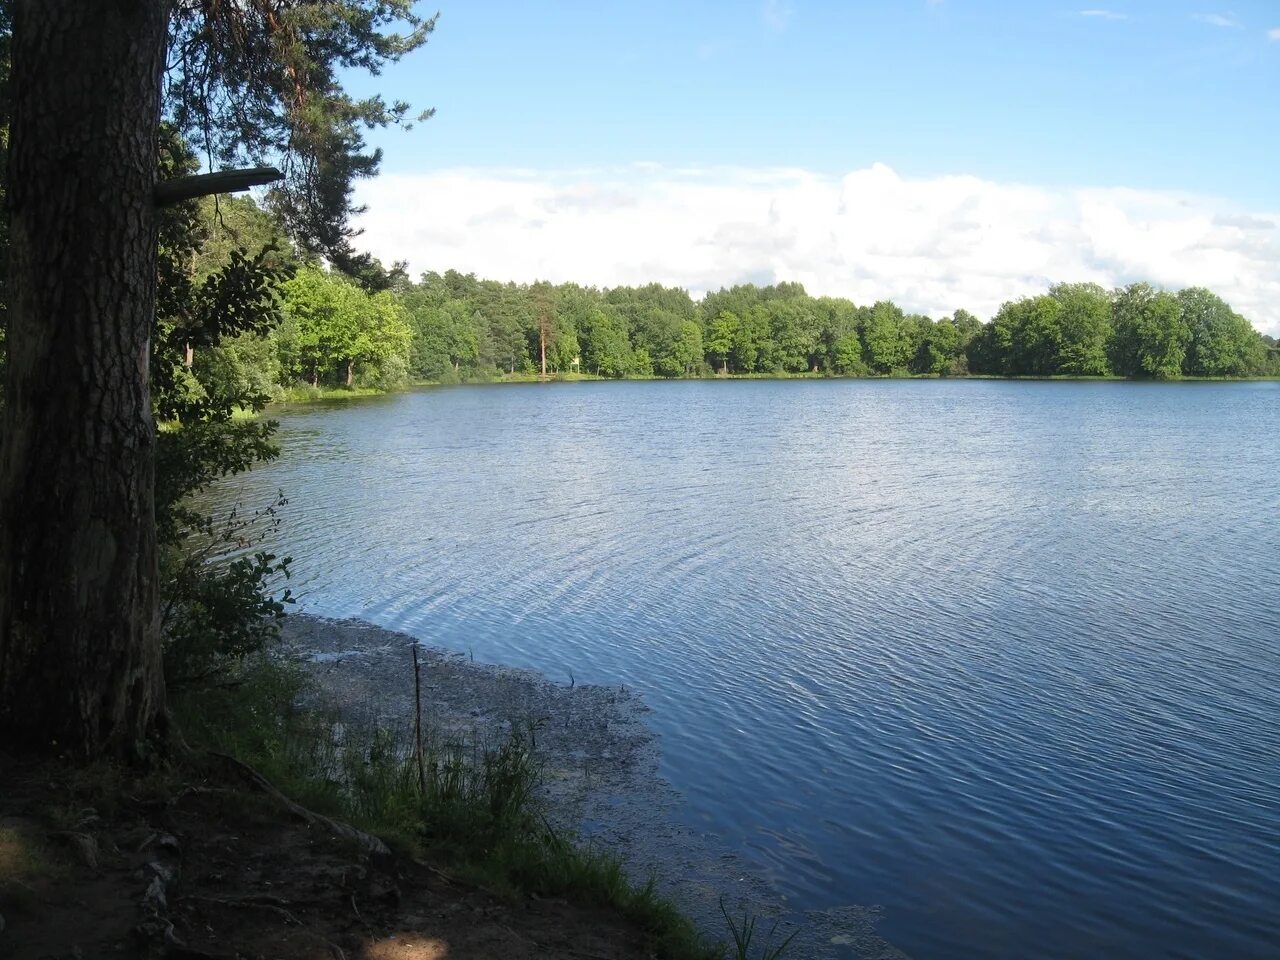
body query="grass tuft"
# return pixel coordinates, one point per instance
(743, 933)
(473, 806)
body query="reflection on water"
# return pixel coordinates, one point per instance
(998, 657)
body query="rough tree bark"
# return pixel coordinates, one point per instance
(80, 667)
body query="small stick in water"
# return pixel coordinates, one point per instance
(417, 719)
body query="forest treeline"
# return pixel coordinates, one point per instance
(467, 327)
(378, 328)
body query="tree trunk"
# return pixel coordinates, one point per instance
(351, 373)
(542, 347)
(80, 665)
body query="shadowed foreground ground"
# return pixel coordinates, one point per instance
(210, 865)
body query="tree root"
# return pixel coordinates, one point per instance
(85, 846)
(367, 842)
(251, 903)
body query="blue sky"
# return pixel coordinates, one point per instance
(1153, 94)
(1171, 98)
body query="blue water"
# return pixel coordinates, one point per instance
(1003, 658)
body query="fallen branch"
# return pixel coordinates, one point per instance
(85, 846)
(365, 841)
(255, 903)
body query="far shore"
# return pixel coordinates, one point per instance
(309, 394)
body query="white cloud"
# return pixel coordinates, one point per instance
(777, 14)
(1229, 21)
(930, 244)
(1274, 33)
(1104, 14)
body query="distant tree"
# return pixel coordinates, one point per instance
(938, 348)
(1028, 334)
(606, 351)
(751, 340)
(1085, 328)
(792, 340)
(688, 352)
(968, 331)
(382, 340)
(1222, 343)
(641, 363)
(848, 355)
(967, 326)
(885, 346)
(721, 333)
(654, 316)
(336, 326)
(542, 299)
(836, 320)
(595, 340)
(324, 313)
(1151, 336)
(566, 352)
(446, 339)
(1270, 362)
(509, 314)
(986, 355)
(916, 330)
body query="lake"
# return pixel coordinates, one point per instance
(1000, 657)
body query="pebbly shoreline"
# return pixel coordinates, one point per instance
(592, 740)
(600, 768)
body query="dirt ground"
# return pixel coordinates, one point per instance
(211, 865)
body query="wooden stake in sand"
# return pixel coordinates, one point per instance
(417, 719)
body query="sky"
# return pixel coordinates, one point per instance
(939, 153)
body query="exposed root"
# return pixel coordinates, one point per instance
(367, 843)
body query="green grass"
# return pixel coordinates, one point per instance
(743, 933)
(305, 393)
(524, 377)
(475, 807)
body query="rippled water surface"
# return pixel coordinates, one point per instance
(999, 657)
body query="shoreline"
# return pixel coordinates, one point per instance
(309, 395)
(592, 739)
(600, 761)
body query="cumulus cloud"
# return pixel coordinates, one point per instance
(1273, 34)
(930, 244)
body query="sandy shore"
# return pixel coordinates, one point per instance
(600, 763)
